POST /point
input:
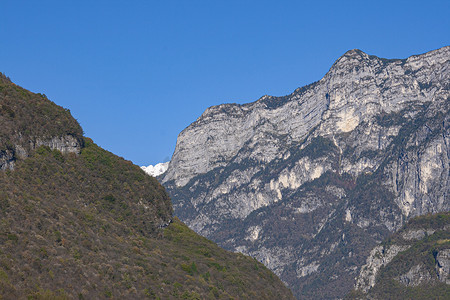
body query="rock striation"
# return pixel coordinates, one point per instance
(310, 182)
(379, 257)
(65, 144)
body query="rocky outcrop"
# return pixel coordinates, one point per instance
(65, 144)
(7, 159)
(443, 265)
(298, 181)
(29, 120)
(379, 257)
(417, 275)
(416, 257)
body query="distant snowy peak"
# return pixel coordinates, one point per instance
(156, 170)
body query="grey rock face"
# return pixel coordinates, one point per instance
(416, 255)
(310, 182)
(7, 159)
(65, 144)
(417, 234)
(379, 257)
(415, 276)
(443, 265)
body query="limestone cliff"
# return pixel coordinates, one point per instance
(310, 182)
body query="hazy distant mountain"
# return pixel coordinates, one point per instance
(78, 222)
(310, 182)
(156, 170)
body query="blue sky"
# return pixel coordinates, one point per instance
(136, 73)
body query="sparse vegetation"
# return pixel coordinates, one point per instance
(25, 116)
(421, 252)
(92, 225)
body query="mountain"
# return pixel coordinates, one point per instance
(310, 182)
(412, 263)
(77, 221)
(156, 170)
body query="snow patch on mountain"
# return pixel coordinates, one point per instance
(156, 170)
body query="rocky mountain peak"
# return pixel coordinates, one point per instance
(297, 181)
(352, 91)
(354, 54)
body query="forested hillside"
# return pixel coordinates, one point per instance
(78, 222)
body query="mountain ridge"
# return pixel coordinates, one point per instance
(353, 155)
(243, 109)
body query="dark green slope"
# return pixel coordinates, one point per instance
(91, 225)
(26, 117)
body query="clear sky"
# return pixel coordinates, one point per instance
(136, 73)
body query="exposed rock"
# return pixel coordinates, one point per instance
(65, 144)
(308, 269)
(416, 234)
(415, 276)
(328, 171)
(379, 257)
(443, 265)
(30, 120)
(417, 257)
(7, 159)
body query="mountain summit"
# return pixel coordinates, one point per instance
(310, 182)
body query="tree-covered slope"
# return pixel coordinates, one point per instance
(414, 263)
(30, 120)
(86, 224)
